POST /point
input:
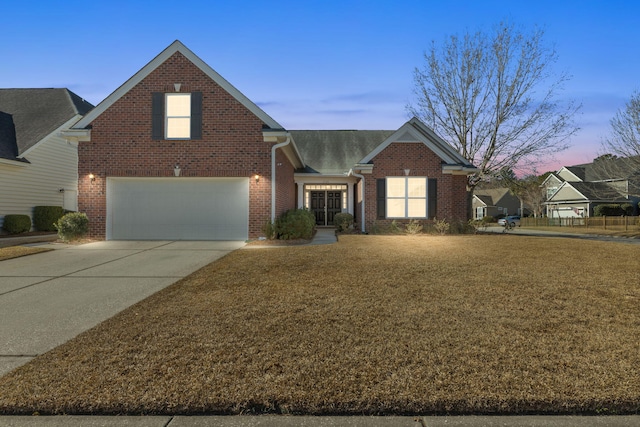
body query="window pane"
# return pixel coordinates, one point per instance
(179, 105)
(178, 127)
(417, 187)
(395, 187)
(395, 208)
(417, 208)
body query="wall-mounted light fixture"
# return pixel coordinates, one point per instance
(92, 177)
(61, 190)
(257, 178)
(176, 170)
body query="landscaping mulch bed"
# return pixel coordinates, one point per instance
(484, 324)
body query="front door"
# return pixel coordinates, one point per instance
(325, 205)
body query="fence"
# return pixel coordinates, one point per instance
(613, 223)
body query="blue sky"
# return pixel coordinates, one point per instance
(319, 64)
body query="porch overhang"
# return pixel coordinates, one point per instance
(363, 168)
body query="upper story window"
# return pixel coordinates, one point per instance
(178, 116)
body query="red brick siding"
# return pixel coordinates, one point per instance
(393, 160)
(232, 144)
(286, 195)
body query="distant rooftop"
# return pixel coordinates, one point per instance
(33, 114)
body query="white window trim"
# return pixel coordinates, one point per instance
(167, 116)
(406, 197)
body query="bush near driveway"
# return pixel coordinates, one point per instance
(371, 325)
(72, 226)
(16, 224)
(46, 217)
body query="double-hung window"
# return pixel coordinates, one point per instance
(178, 124)
(176, 115)
(406, 197)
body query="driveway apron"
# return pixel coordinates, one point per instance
(48, 298)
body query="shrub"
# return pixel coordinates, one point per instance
(414, 227)
(269, 229)
(627, 208)
(15, 224)
(488, 219)
(343, 221)
(45, 217)
(475, 225)
(395, 227)
(609, 210)
(72, 226)
(295, 224)
(441, 226)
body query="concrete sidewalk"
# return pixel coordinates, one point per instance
(48, 298)
(310, 421)
(324, 236)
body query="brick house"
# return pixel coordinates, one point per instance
(177, 152)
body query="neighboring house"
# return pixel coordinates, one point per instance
(495, 202)
(177, 152)
(38, 166)
(576, 190)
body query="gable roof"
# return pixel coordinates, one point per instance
(491, 196)
(34, 114)
(174, 47)
(331, 152)
(416, 131)
(577, 171)
(592, 191)
(552, 175)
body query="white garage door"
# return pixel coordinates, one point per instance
(177, 208)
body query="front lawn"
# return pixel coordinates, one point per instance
(371, 325)
(18, 251)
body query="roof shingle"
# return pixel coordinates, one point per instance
(35, 114)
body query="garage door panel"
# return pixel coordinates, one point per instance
(178, 209)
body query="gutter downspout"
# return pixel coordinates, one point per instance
(357, 175)
(273, 175)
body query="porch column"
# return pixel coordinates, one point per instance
(300, 195)
(350, 197)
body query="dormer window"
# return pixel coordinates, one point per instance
(178, 116)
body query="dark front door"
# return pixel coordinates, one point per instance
(318, 206)
(324, 205)
(334, 205)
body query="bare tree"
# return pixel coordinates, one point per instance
(625, 133)
(528, 189)
(493, 96)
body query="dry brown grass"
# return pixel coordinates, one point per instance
(372, 325)
(18, 251)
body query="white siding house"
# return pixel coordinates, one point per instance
(37, 165)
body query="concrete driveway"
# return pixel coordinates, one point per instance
(48, 298)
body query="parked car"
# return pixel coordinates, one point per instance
(513, 220)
